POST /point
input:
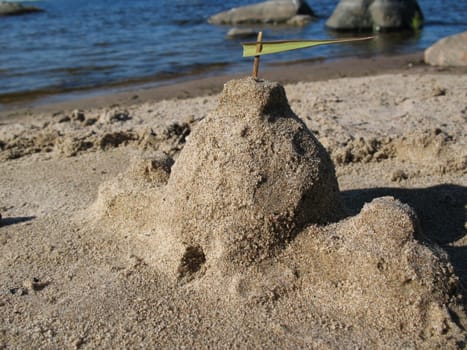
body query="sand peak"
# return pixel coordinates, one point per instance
(249, 177)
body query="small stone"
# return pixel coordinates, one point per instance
(78, 115)
(115, 139)
(241, 33)
(90, 121)
(35, 284)
(78, 343)
(399, 175)
(114, 116)
(64, 119)
(19, 291)
(439, 92)
(148, 139)
(300, 20)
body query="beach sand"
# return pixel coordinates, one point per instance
(76, 271)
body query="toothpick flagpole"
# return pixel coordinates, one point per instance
(259, 47)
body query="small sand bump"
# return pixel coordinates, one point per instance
(152, 168)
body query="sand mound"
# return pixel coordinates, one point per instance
(249, 178)
(248, 214)
(368, 275)
(130, 199)
(77, 132)
(372, 271)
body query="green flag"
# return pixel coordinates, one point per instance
(268, 47)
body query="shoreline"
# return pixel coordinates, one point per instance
(195, 86)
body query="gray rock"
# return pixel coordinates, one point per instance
(241, 33)
(300, 20)
(449, 51)
(14, 9)
(272, 11)
(376, 15)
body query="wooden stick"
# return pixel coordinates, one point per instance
(258, 50)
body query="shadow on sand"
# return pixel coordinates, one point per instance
(15, 220)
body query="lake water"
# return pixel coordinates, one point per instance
(77, 45)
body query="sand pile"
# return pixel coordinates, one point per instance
(250, 177)
(69, 134)
(373, 272)
(250, 211)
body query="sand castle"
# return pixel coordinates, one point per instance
(253, 201)
(251, 176)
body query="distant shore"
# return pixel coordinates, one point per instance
(193, 86)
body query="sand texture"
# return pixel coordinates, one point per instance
(323, 215)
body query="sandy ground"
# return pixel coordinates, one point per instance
(70, 280)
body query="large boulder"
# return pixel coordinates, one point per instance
(376, 15)
(15, 9)
(272, 11)
(449, 51)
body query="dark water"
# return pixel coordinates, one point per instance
(87, 44)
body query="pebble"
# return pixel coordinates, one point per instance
(19, 291)
(439, 92)
(399, 175)
(35, 284)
